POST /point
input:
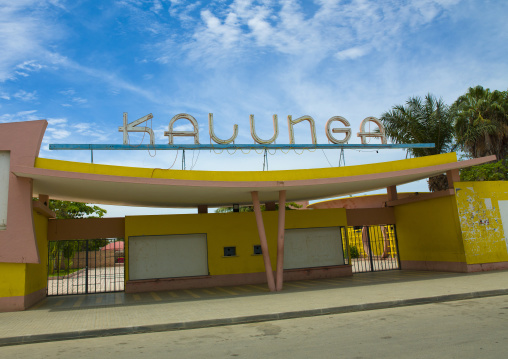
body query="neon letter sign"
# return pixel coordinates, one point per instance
(363, 134)
(217, 139)
(291, 123)
(193, 122)
(256, 138)
(131, 127)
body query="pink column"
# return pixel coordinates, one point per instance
(262, 239)
(452, 177)
(280, 239)
(23, 141)
(392, 193)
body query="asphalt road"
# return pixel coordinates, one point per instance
(476, 328)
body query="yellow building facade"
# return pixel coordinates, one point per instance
(461, 229)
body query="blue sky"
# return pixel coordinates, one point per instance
(81, 64)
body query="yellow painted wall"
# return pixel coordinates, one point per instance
(20, 279)
(231, 229)
(36, 274)
(12, 279)
(480, 220)
(429, 231)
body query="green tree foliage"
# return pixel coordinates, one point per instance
(496, 171)
(422, 121)
(481, 129)
(64, 250)
(481, 122)
(68, 209)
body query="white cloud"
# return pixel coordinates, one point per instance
(76, 100)
(224, 34)
(69, 92)
(26, 113)
(87, 129)
(57, 121)
(345, 29)
(81, 127)
(81, 132)
(19, 116)
(56, 133)
(351, 53)
(26, 67)
(106, 77)
(186, 127)
(22, 95)
(79, 100)
(24, 34)
(182, 11)
(156, 6)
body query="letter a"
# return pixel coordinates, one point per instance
(363, 134)
(189, 118)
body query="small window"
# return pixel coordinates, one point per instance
(229, 251)
(257, 249)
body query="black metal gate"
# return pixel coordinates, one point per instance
(85, 266)
(373, 248)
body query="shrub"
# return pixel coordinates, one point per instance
(354, 252)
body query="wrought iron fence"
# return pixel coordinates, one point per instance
(373, 248)
(85, 266)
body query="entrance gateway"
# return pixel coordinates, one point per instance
(224, 248)
(178, 256)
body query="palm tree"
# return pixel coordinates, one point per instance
(422, 121)
(481, 122)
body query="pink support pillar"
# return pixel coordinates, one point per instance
(280, 239)
(22, 140)
(262, 239)
(392, 193)
(452, 177)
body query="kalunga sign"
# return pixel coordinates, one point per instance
(345, 131)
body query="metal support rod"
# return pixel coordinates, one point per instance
(280, 240)
(394, 228)
(370, 250)
(265, 160)
(262, 240)
(346, 246)
(341, 157)
(86, 268)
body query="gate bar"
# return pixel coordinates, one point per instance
(86, 267)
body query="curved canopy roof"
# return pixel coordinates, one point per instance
(152, 187)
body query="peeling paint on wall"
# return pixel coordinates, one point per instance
(483, 223)
(503, 210)
(488, 203)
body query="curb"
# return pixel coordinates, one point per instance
(95, 333)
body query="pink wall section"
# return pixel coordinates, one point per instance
(11, 304)
(17, 241)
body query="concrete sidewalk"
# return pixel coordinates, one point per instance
(84, 316)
